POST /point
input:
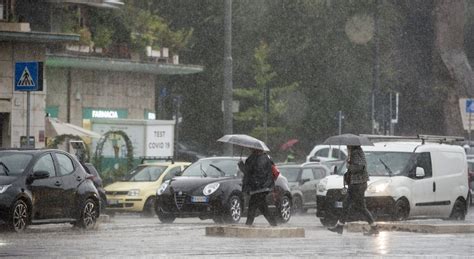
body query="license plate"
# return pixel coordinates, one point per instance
(338, 204)
(112, 202)
(199, 199)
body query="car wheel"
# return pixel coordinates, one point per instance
(459, 211)
(164, 217)
(233, 211)
(298, 205)
(285, 210)
(89, 215)
(401, 210)
(328, 222)
(19, 216)
(149, 207)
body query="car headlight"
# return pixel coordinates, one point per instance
(3, 188)
(322, 185)
(134, 192)
(162, 188)
(211, 188)
(379, 186)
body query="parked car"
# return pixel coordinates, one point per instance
(407, 180)
(303, 180)
(45, 186)
(321, 153)
(136, 191)
(211, 188)
(97, 180)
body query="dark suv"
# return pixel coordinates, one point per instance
(45, 186)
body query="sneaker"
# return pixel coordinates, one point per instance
(337, 228)
(372, 231)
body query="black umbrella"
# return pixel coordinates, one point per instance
(348, 140)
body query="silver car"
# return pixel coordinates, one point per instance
(303, 180)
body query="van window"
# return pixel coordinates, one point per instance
(422, 160)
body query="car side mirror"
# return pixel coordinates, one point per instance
(178, 173)
(314, 159)
(420, 172)
(38, 175)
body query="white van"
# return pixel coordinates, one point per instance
(407, 180)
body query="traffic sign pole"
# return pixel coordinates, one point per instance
(28, 103)
(469, 131)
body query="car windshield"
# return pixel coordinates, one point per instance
(384, 163)
(145, 174)
(291, 173)
(213, 168)
(13, 164)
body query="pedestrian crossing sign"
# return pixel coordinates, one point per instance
(28, 76)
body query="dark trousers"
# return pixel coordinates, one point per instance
(355, 201)
(259, 201)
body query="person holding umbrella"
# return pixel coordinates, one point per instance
(257, 182)
(258, 177)
(356, 177)
(357, 182)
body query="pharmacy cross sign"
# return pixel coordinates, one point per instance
(28, 76)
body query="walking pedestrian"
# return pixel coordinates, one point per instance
(357, 182)
(257, 182)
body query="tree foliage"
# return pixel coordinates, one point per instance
(253, 99)
(315, 60)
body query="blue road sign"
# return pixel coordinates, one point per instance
(470, 105)
(28, 76)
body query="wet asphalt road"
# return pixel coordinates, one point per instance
(130, 235)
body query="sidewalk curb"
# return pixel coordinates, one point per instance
(410, 227)
(255, 232)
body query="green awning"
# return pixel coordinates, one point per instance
(122, 65)
(37, 37)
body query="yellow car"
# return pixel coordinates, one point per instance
(137, 191)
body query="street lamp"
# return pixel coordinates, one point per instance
(227, 95)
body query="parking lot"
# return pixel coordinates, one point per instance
(130, 235)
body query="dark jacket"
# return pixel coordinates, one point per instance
(358, 166)
(257, 174)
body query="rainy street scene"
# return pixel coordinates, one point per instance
(236, 128)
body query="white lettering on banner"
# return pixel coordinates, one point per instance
(105, 114)
(159, 140)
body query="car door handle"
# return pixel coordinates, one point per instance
(58, 183)
(79, 178)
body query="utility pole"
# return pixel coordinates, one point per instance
(340, 117)
(177, 107)
(227, 96)
(376, 69)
